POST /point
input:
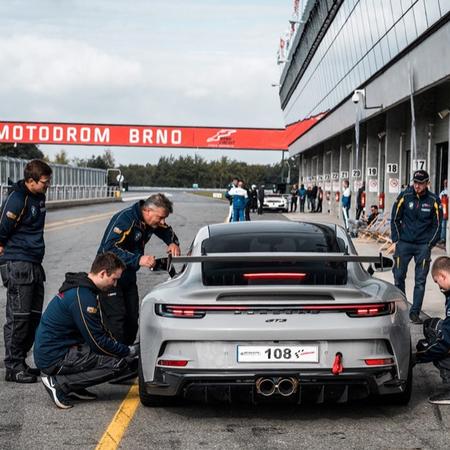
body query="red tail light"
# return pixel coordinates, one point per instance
(274, 276)
(200, 311)
(173, 362)
(379, 362)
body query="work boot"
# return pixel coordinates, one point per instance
(415, 319)
(56, 393)
(442, 397)
(20, 376)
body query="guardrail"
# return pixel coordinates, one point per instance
(68, 193)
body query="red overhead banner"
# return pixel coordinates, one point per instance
(152, 136)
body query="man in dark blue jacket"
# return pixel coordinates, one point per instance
(22, 250)
(415, 227)
(126, 235)
(73, 348)
(435, 347)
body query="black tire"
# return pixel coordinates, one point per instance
(153, 400)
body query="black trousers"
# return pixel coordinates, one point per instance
(120, 310)
(432, 332)
(81, 368)
(24, 300)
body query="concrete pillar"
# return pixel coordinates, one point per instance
(327, 157)
(394, 141)
(372, 165)
(335, 174)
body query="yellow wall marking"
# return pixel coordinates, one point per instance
(116, 429)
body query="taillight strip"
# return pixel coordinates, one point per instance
(274, 276)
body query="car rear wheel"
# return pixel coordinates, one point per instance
(153, 400)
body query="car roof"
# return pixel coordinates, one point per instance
(265, 226)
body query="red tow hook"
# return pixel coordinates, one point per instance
(337, 365)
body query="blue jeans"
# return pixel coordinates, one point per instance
(404, 252)
(443, 230)
(238, 214)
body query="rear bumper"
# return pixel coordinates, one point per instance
(314, 385)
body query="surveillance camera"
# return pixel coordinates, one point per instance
(357, 95)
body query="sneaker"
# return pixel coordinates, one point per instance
(441, 398)
(82, 394)
(20, 376)
(33, 371)
(56, 393)
(414, 317)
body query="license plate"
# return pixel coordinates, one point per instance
(273, 353)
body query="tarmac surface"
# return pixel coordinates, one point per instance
(28, 419)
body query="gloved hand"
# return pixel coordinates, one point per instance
(134, 350)
(422, 345)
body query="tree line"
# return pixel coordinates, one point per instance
(169, 171)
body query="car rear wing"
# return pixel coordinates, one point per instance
(275, 256)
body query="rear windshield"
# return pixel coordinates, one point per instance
(319, 240)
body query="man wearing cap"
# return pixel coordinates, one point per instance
(415, 228)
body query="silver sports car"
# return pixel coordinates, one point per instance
(275, 310)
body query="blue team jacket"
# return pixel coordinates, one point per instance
(126, 236)
(416, 219)
(73, 317)
(22, 220)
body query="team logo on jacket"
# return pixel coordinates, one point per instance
(411, 205)
(137, 236)
(34, 211)
(11, 215)
(117, 230)
(91, 310)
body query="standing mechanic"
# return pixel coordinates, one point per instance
(21, 253)
(73, 349)
(126, 235)
(415, 227)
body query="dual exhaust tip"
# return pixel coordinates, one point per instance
(281, 386)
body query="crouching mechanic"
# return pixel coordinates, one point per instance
(435, 347)
(72, 347)
(126, 235)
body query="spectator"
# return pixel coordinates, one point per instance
(319, 199)
(302, 197)
(253, 199)
(373, 214)
(359, 200)
(260, 199)
(234, 183)
(294, 198)
(313, 198)
(346, 203)
(309, 197)
(239, 200)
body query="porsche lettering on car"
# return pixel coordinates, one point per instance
(269, 310)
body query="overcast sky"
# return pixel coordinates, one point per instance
(149, 62)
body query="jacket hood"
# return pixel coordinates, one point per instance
(77, 279)
(20, 186)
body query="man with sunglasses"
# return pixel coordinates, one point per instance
(22, 248)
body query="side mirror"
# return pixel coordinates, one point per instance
(384, 265)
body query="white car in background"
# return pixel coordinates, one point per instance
(276, 202)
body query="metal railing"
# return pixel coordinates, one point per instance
(69, 193)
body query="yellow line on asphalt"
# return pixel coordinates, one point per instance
(116, 429)
(78, 220)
